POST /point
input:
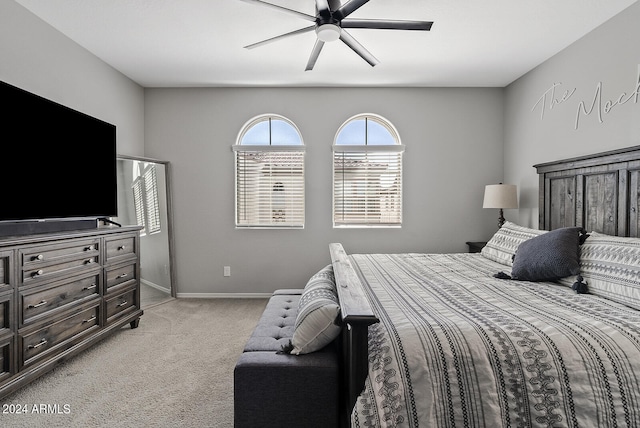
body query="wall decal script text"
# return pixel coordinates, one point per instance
(550, 94)
(597, 104)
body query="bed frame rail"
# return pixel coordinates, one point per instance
(357, 316)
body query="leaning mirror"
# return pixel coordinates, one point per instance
(144, 199)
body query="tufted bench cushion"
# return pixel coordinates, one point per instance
(275, 327)
(273, 389)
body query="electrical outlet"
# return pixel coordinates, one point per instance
(227, 271)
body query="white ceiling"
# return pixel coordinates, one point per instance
(175, 43)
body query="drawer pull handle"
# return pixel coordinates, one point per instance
(122, 304)
(39, 344)
(89, 261)
(89, 320)
(89, 248)
(42, 303)
(121, 247)
(39, 257)
(37, 273)
(89, 287)
(122, 275)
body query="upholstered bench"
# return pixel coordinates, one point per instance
(275, 389)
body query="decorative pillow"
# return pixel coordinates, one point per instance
(318, 311)
(611, 267)
(548, 257)
(503, 245)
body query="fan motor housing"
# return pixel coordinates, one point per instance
(328, 32)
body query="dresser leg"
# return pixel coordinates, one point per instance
(135, 323)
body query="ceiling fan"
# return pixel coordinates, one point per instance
(330, 23)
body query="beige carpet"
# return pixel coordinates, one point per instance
(150, 296)
(174, 370)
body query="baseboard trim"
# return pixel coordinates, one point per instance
(223, 295)
(154, 285)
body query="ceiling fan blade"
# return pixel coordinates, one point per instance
(283, 9)
(281, 36)
(314, 54)
(383, 24)
(348, 8)
(323, 7)
(358, 48)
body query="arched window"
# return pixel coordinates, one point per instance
(367, 173)
(269, 169)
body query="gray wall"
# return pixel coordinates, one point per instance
(36, 57)
(453, 141)
(607, 58)
(457, 141)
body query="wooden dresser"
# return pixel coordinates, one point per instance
(60, 294)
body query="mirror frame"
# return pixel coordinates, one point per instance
(167, 174)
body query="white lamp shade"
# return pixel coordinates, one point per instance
(500, 196)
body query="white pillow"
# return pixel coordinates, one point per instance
(611, 267)
(317, 322)
(505, 242)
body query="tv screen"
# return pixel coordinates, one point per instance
(56, 162)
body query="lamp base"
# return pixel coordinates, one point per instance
(501, 219)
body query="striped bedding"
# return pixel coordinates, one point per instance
(457, 347)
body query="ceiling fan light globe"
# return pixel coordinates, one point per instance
(328, 32)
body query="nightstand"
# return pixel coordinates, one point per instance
(476, 247)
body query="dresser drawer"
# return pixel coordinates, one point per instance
(31, 258)
(121, 304)
(5, 270)
(59, 335)
(6, 348)
(38, 273)
(40, 301)
(5, 313)
(120, 249)
(121, 276)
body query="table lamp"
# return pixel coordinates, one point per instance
(502, 196)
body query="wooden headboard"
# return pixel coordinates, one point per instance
(599, 192)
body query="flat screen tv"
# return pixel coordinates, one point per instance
(56, 163)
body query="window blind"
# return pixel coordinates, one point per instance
(138, 203)
(367, 186)
(145, 198)
(269, 186)
(151, 199)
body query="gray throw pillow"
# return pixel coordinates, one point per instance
(548, 257)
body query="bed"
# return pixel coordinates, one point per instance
(486, 339)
